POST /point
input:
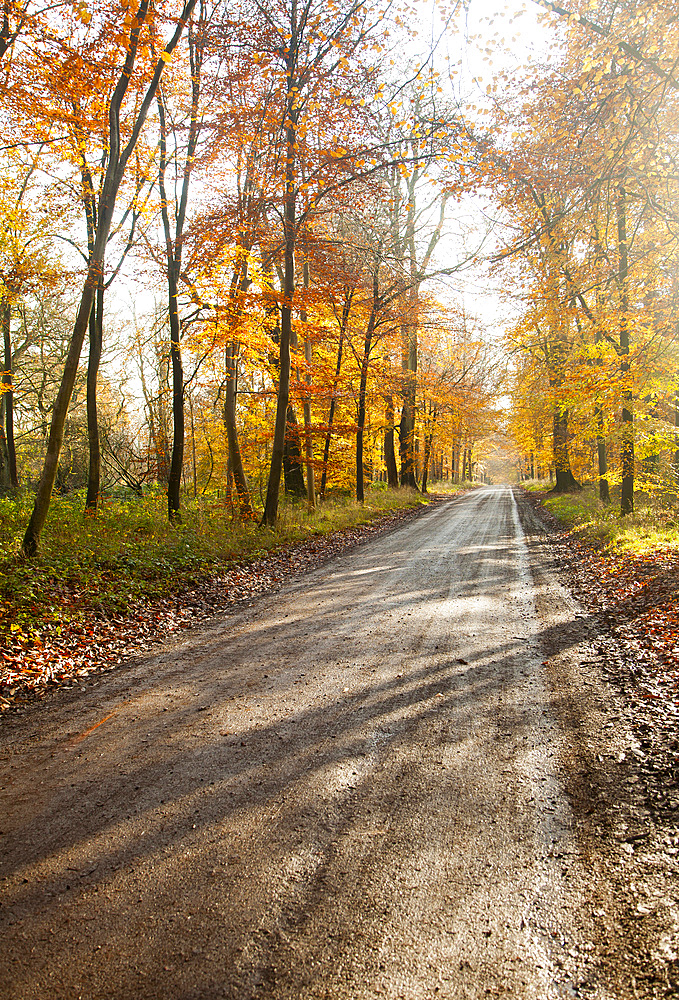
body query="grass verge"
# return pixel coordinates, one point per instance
(129, 551)
(652, 529)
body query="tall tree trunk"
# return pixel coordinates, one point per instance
(9, 397)
(346, 309)
(289, 232)
(177, 459)
(365, 362)
(235, 457)
(306, 405)
(193, 449)
(428, 441)
(389, 453)
(96, 333)
(604, 491)
(173, 249)
(676, 450)
(4, 456)
(94, 360)
(293, 477)
(427, 458)
(407, 427)
(627, 444)
(115, 170)
(565, 480)
(6, 400)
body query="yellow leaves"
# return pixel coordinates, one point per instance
(166, 56)
(82, 13)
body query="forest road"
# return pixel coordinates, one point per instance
(350, 789)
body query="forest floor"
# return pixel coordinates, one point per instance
(420, 770)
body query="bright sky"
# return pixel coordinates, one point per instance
(482, 43)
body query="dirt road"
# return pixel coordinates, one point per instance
(351, 789)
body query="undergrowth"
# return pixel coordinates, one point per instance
(129, 551)
(653, 527)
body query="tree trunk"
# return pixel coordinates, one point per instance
(360, 423)
(177, 460)
(278, 444)
(402, 439)
(115, 171)
(346, 308)
(428, 441)
(193, 449)
(235, 458)
(407, 427)
(604, 491)
(6, 399)
(96, 330)
(293, 477)
(4, 456)
(306, 406)
(8, 396)
(428, 438)
(389, 453)
(565, 480)
(627, 444)
(173, 249)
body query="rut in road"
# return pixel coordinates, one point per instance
(348, 790)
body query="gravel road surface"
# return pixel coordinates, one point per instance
(354, 788)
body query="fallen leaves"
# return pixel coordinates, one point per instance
(632, 603)
(96, 642)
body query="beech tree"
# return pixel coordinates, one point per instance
(119, 155)
(310, 52)
(173, 229)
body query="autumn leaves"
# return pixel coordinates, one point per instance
(589, 181)
(260, 160)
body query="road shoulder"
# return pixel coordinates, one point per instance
(628, 847)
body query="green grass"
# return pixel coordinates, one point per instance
(652, 529)
(129, 551)
(535, 485)
(446, 487)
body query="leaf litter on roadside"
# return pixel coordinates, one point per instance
(633, 599)
(30, 664)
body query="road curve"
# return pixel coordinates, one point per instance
(348, 790)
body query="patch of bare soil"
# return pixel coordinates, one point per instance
(622, 771)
